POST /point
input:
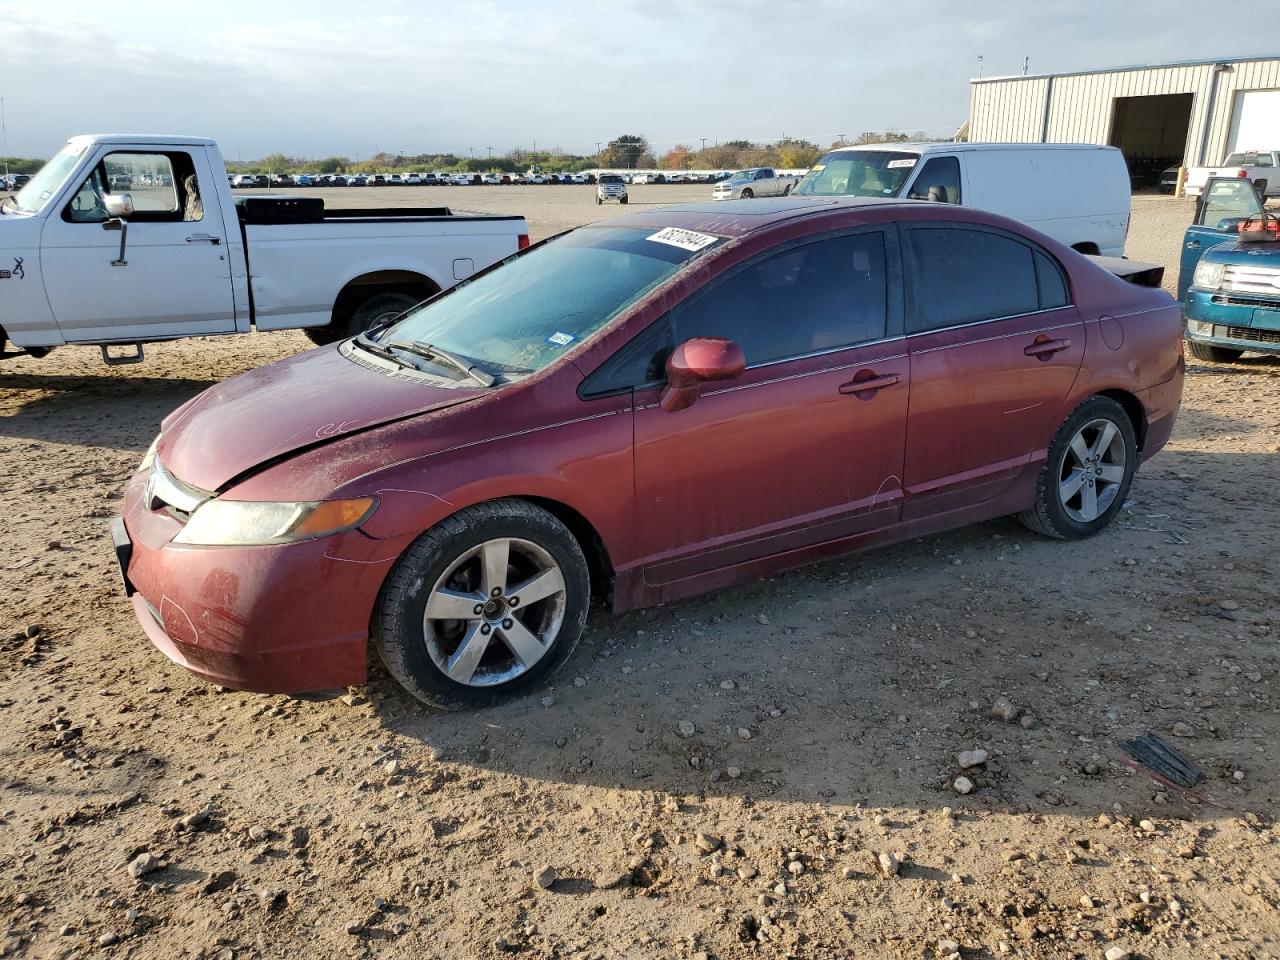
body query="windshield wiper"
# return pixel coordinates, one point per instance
(374, 347)
(429, 352)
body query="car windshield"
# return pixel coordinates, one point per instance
(533, 309)
(45, 183)
(858, 173)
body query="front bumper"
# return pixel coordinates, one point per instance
(1238, 326)
(280, 618)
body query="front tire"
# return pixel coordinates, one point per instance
(1087, 473)
(1207, 351)
(746, 195)
(483, 606)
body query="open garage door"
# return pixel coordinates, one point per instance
(1255, 121)
(1151, 132)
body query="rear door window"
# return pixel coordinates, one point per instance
(964, 275)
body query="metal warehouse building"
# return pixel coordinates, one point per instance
(1189, 114)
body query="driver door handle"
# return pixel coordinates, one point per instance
(868, 384)
(204, 238)
(1193, 244)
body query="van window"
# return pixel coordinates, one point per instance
(968, 275)
(858, 173)
(938, 181)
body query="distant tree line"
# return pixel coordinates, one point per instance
(629, 151)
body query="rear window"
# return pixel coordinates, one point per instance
(859, 173)
(966, 276)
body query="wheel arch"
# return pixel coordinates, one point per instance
(589, 539)
(1133, 408)
(365, 285)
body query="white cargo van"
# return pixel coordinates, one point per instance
(1079, 194)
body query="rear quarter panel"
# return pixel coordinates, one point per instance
(1074, 196)
(298, 270)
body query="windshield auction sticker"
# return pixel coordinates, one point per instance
(684, 239)
(899, 164)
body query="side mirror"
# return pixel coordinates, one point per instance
(698, 361)
(118, 204)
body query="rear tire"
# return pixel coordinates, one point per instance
(373, 310)
(1207, 351)
(447, 567)
(1087, 474)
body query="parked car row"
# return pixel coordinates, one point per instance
(14, 181)
(262, 180)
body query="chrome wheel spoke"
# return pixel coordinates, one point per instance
(548, 583)
(445, 604)
(494, 557)
(1080, 449)
(462, 665)
(527, 648)
(1089, 501)
(1071, 485)
(1105, 436)
(1111, 472)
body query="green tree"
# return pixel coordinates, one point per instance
(626, 151)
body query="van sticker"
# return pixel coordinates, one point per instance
(899, 164)
(561, 339)
(684, 239)
(818, 167)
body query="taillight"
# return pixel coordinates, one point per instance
(524, 241)
(1242, 174)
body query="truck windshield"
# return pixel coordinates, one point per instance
(536, 308)
(743, 175)
(45, 182)
(858, 173)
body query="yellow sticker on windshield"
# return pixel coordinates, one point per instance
(818, 166)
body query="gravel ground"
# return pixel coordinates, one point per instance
(769, 771)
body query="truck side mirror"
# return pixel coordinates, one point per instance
(118, 204)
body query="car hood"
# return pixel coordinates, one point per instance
(1264, 253)
(298, 403)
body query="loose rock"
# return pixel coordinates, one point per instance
(686, 728)
(972, 758)
(545, 877)
(143, 864)
(963, 785)
(889, 864)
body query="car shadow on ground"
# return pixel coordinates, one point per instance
(94, 411)
(859, 680)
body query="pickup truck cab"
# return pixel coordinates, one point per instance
(756, 182)
(1259, 167)
(1229, 281)
(83, 263)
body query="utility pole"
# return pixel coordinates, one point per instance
(841, 139)
(704, 142)
(490, 149)
(4, 142)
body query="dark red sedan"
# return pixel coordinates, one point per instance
(637, 411)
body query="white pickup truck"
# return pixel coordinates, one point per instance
(756, 182)
(125, 240)
(1262, 167)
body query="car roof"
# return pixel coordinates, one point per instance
(146, 138)
(954, 146)
(738, 218)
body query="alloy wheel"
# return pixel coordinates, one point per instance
(495, 612)
(1092, 471)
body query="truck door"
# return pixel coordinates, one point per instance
(173, 278)
(1221, 206)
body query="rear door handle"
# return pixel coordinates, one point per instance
(1044, 348)
(867, 382)
(204, 238)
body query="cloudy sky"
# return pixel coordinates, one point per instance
(322, 77)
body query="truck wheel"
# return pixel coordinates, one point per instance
(622, 199)
(1087, 473)
(598, 201)
(483, 606)
(1207, 351)
(746, 194)
(374, 309)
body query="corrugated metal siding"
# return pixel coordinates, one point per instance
(1011, 111)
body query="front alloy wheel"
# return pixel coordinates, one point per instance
(483, 605)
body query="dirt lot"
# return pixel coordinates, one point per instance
(828, 707)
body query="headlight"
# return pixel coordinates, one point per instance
(227, 523)
(1208, 276)
(149, 457)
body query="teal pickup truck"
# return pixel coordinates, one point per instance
(1229, 277)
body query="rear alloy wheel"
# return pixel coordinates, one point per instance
(1207, 351)
(483, 605)
(1087, 473)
